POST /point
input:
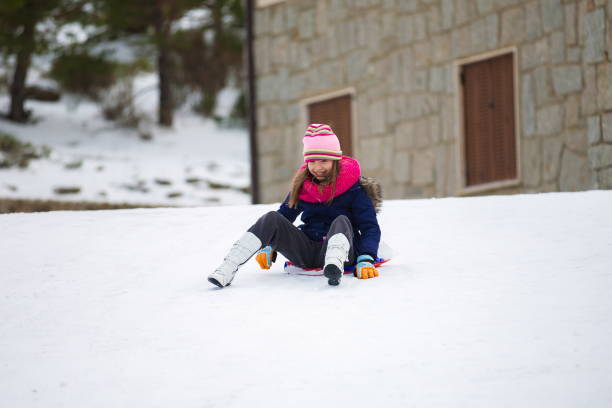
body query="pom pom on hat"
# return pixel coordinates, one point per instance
(321, 143)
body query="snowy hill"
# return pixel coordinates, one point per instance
(491, 301)
(195, 163)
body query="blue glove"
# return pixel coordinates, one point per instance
(265, 257)
(365, 267)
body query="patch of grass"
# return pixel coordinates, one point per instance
(219, 186)
(15, 153)
(140, 186)
(74, 165)
(67, 190)
(163, 182)
(175, 194)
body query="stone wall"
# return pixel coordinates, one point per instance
(400, 58)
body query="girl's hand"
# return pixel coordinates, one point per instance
(265, 257)
(365, 267)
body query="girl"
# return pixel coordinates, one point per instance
(339, 219)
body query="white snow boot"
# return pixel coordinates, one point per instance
(338, 247)
(241, 251)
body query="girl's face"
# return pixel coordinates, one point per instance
(321, 169)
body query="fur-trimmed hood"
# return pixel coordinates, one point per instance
(373, 190)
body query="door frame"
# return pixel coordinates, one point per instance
(327, 96)
(464, 189)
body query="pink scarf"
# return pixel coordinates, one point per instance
(348, 175)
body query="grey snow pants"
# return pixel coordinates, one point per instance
(275, 230)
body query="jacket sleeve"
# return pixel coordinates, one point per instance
(366, 222)
(288, 212)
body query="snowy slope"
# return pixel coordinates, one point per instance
(492, 301)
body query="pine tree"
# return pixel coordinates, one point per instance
(153, 19)
(22, 37)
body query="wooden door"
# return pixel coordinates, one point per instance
(335, 112)
(489, 120)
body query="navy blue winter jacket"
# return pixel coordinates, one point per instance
(354, 203)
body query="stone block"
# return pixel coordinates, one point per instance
(600, 156)
(423, 168)
(434, 20)
(322, 22)
(551, 151)
(590, 92)
(268, 167)
(572, 111)
(267, 88)
(574, 55)
(570, 25)
(262, 60)
(441, 47)
(268, 140)
(542, 85)
(387, 153)
(576, 140)
(557, 47)
(423, 54)
(402, 164)
(420, 105)
(435, 129)
(594, 129)
(373, 31)
(528, 115)
(404, 136)
(393, 110)
(377, 117)
(567, 79)
(606, 127)
(500, 4)
(513, 26)
(280, 50)
(492, 22)
(306, 26)
(278, 20)
(357, 66)
(438, 79)
(422, 136)
(604, 86)
(605, 178)
(448, 12)
(291, 19)
(461, 42)
(533, 22)
(534, 54)
(531, 162)
(575, 173)
(550, 120)
(261, 23)
(485, 6)
(370, 159)
(408, 6)
(262, 116)
(479, 42)
(465, 11)
(552, 14)
(595, 36)
(448, 120)
(441, 171)
(389, 4)
(418, 80)
(389, 28)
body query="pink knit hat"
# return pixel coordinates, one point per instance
(321, 143)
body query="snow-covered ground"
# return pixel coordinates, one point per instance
(489, 302)
(196, 163)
